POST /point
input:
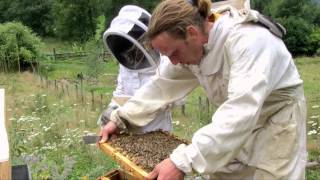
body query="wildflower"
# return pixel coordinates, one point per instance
(12, 119)
(33, 135)
(312, 132)
(314, 117)
(176, 122)
(46, 128)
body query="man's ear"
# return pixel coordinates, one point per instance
(192, 31)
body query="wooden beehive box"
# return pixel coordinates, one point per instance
(138, 154)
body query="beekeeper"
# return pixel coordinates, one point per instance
(124, 38)
(238, 57)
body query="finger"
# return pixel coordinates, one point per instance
(153, 174)
(104, 136)
(113, 136)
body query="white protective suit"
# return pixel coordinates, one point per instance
(258, 131)
(128, 82)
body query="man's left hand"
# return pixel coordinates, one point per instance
(166, 170)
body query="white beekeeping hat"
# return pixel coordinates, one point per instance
(124, 39)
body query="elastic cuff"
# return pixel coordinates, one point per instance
(179, 158)
(116, 119)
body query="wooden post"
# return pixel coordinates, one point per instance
(62, 87)
(208, 105)
(77, 94)
(55, 85)
(81, 89)
(67, 89)
(92, 99)
(5, 170)
(101, 104)
(54, 54)
(183, 110)
(200, 107)
(5, 167)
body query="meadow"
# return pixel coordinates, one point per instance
(46, 122)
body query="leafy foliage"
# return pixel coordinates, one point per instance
(95, 47)
(112, 7)
(76, 19)
(35, 14)
(19, 47)
(299, 17)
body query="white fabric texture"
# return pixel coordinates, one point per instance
(128, 83)
(260, 122)
(4, 150)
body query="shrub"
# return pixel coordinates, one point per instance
(19, 47)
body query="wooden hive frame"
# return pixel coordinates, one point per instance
(128, 165)
(124, 162)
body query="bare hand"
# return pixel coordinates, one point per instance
(107, 130)
(166, 170)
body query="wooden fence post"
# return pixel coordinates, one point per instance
(101, 103)
(62, 87)
(67, 89)
(81, 89)
(200, 106)
(55, 85)
(54, 53)
(207, 105)
(92, 99)
(183, 110)
(77, 94)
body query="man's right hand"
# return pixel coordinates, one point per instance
(107, 130)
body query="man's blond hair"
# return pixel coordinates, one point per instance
(173, 16)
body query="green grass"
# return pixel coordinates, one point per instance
(45, 128)
(46, 125)
(309, 69)
(58, 45)
(63, 69)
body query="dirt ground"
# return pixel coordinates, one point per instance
(146, 150)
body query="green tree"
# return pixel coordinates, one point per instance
(299, 17)
(297, 37)
(75, 19)
(95, 47)
(36, 14)
(112, 7)
(19, 47)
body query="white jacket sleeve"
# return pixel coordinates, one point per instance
(171, 83)
(256, 67)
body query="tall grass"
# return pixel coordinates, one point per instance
(45, 131)
(45, 127)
